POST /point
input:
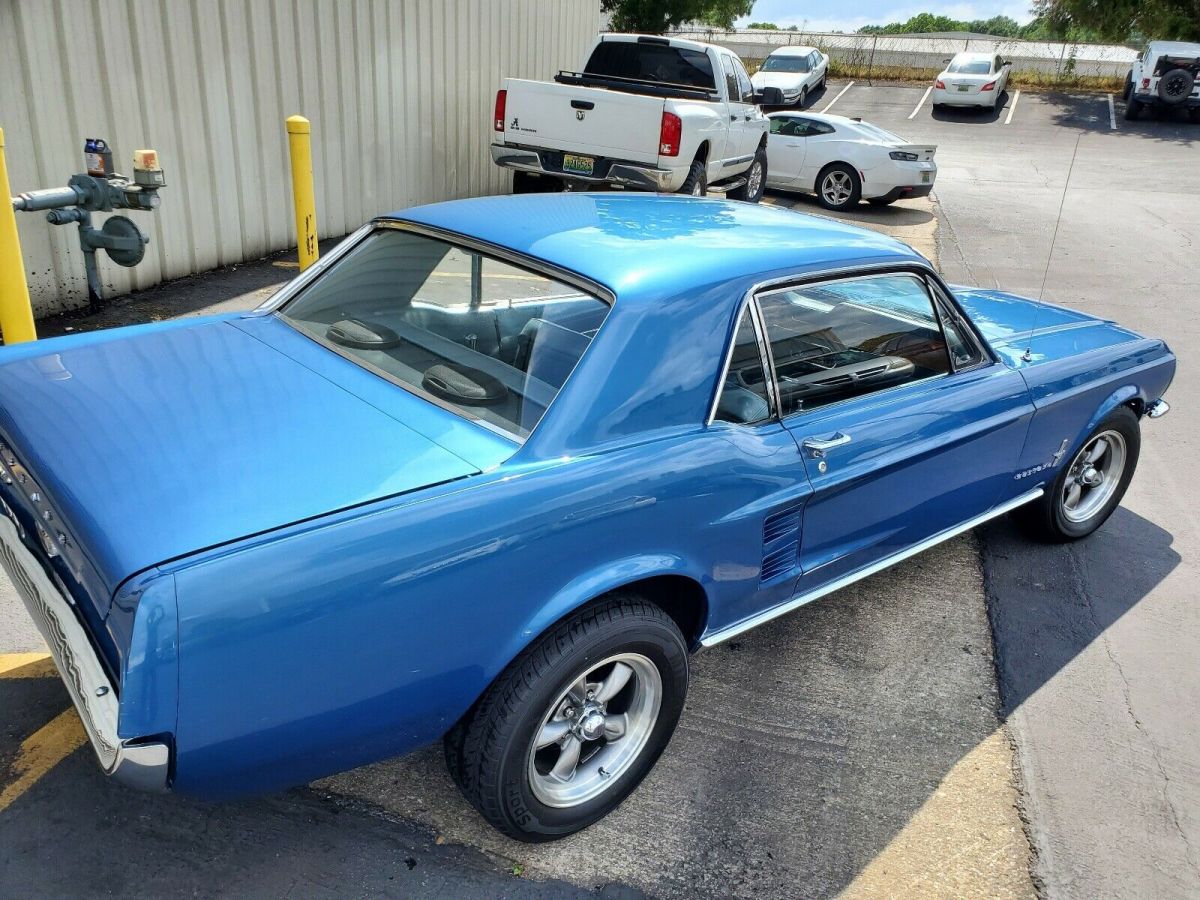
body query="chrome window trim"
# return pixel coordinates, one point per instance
(945, 298)
(301, 281)
(455, 239)
(731, 343)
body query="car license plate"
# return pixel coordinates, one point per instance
(963, 87)
(580, 165)
(924, 178)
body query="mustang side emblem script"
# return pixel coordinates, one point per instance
(1062, 448)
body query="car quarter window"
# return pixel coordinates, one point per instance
(798, 126)
(836, 340)
(744, 395)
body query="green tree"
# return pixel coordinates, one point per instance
(1126, 20)
(657, 16)
(764, 26)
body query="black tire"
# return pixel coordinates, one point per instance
(1194, 115)
(851, 198)
(491, 753)
(532, 183)
(1047, 519)
(1176, 86)
(1133, 109)
(803, 98)
(746, 193)
(697, 181)
(1128, 90)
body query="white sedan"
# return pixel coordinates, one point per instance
(971, 79)
(797, 71)
(844, 161)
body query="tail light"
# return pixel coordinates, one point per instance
(669, 135)
(990, 86)
(940, 85)
(498, 118)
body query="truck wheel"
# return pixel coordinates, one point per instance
(532, 183)
(1133, 109)
(696, 183)
(1090, 486)
(756, 180)
(575, 722)
(1128, 90)
(838, 187)
(1194, 115)
(1176, 86)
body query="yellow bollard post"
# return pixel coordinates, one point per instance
(16, 315)
(300, 149)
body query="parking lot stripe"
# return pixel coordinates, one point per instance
(829, 105)
(1012, 107)
(41, 752)
(1112, 114)
(26, 665)
(924, 97)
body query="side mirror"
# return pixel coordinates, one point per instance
(770, 96)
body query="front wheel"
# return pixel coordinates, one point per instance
(575, 723)
(1091, 485)
(1133, 109)
(756, 180)
(838, 187)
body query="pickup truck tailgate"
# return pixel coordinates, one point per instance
(582, 119)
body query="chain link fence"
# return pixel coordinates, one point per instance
(906, 57)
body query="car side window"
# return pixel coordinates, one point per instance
(744, 86)
(996, 64)
(744, 395)
(812, 127)
(788, 126)
(731, 82)
(837, 340)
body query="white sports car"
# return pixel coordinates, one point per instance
(844, 160)
(971, 79)
(797, 71)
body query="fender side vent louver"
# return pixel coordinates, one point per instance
(781, 544)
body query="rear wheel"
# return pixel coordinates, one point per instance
(1194, 115)
(532, 183)
(1133, 109)
(696, 183)
(838, 187)
(575, 723)
(756, 180)
(1176, 86)
(1091, 485)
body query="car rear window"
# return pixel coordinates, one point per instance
(652, 62)
(970, 67)
(488, 339)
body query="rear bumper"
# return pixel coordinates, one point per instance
(608, 171)
(1155, 100)
(957, 98)
(905, 192)
(143, 765)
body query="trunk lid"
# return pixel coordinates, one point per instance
(583, 120)
(154, 442)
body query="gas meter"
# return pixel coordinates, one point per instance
(104, 191)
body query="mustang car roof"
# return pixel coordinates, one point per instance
(655, 246)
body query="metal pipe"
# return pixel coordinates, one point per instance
(16, 313)
(50, 198)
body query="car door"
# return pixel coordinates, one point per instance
(786, 147)
(820, 148)
(746, 121)
(906, 425)
(735, 118)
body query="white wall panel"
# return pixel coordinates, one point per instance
(399, 93)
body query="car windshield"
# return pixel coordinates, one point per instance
(487, 339)
(970, 67)
(785, 64)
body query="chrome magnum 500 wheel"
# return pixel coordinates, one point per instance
(573, 724)
(1090, 486)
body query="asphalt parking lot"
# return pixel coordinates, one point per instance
(860, 746)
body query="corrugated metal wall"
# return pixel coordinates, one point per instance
(399, 92)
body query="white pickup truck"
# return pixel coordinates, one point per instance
(649, 113)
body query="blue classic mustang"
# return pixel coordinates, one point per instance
(491, 470)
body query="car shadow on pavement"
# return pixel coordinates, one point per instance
(898, 213)
(1089, 112)
(973, 115)
(1049, 602)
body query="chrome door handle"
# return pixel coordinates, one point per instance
(818, 447)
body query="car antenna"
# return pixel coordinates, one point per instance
(1027, 356)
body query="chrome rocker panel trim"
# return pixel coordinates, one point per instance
(143, 766)
(800, 599)
(645, 177)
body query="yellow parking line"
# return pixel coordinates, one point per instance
(26, 665)
(41, 752)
